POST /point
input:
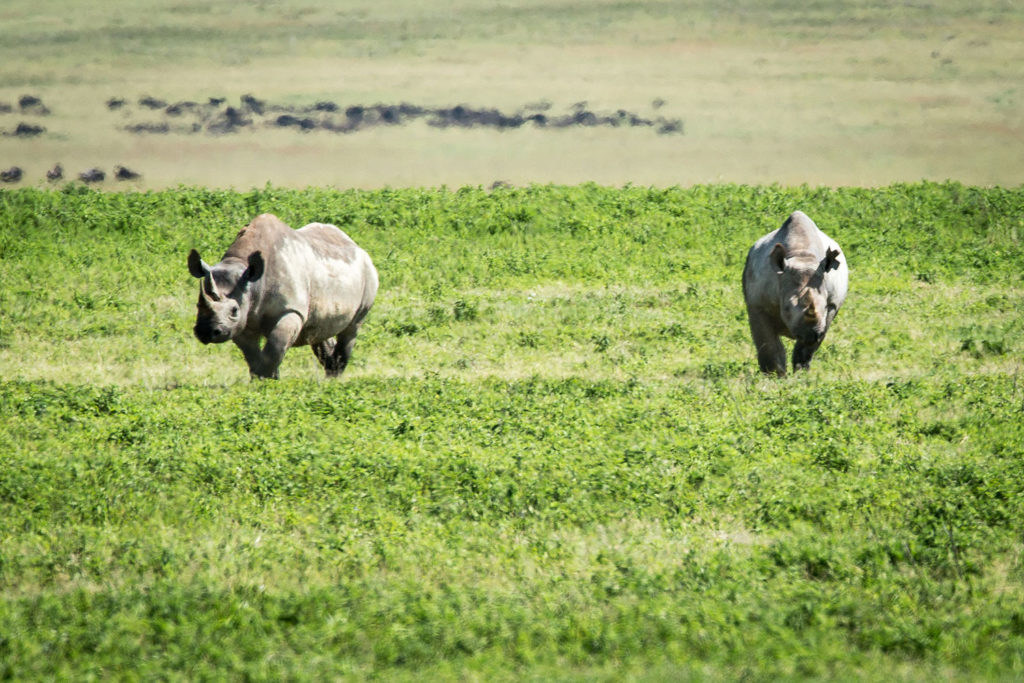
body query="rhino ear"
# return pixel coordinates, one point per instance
(778, 257)
(196, 265)
(831, 261)
(256, 265)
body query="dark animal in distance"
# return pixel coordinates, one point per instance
(28, 130)
(152, 102)
(312, 286)
(11, 175)
(329, 116)
(56, 173)
(30, 104)
(122, 173)
(794, 281)
(93, 175)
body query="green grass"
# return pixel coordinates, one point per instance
(607, 283)
(552, 457)
(387, 525)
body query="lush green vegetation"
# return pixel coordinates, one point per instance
(552, 456)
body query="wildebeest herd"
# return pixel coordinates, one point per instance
(31, 105)
(275, 288)
(14, 174)
(215, 116)
(28, 105)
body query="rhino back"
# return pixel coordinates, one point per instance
(339, 278)
(800, 235)
(803, 241)
(264, 234)
(760, 285)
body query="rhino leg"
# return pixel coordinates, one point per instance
(279, 341)
(802, 353)
(334, 354)
(264, 363)
(346, 342)
(250, 346)
(324, 352)
(771, 354)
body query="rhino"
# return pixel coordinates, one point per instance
(794, 281)
(289, 287)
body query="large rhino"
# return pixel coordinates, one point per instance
(794, 282)
(291, 287)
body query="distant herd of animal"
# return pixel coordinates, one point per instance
(14, 174)
(275, 288)
(31, 105)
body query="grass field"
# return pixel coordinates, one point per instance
(552, 457)
(852, 93)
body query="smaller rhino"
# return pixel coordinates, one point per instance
(276, 288)
(794, 281)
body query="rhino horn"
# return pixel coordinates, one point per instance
(209, 288)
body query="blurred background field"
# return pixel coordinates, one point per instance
(852, 93)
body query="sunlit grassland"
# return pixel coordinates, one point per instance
(606, 283)
(836, 94)
(552, 458)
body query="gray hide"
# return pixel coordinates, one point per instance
(288, 287)
(794, 282)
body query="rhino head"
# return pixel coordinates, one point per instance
(804, 306)
(224, 295)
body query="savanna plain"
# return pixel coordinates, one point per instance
(552, 456)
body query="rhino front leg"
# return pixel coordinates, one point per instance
(280, 339)
(264, 362)
(830, 315)
(771, 354)
(802, 353)
(250, 347)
